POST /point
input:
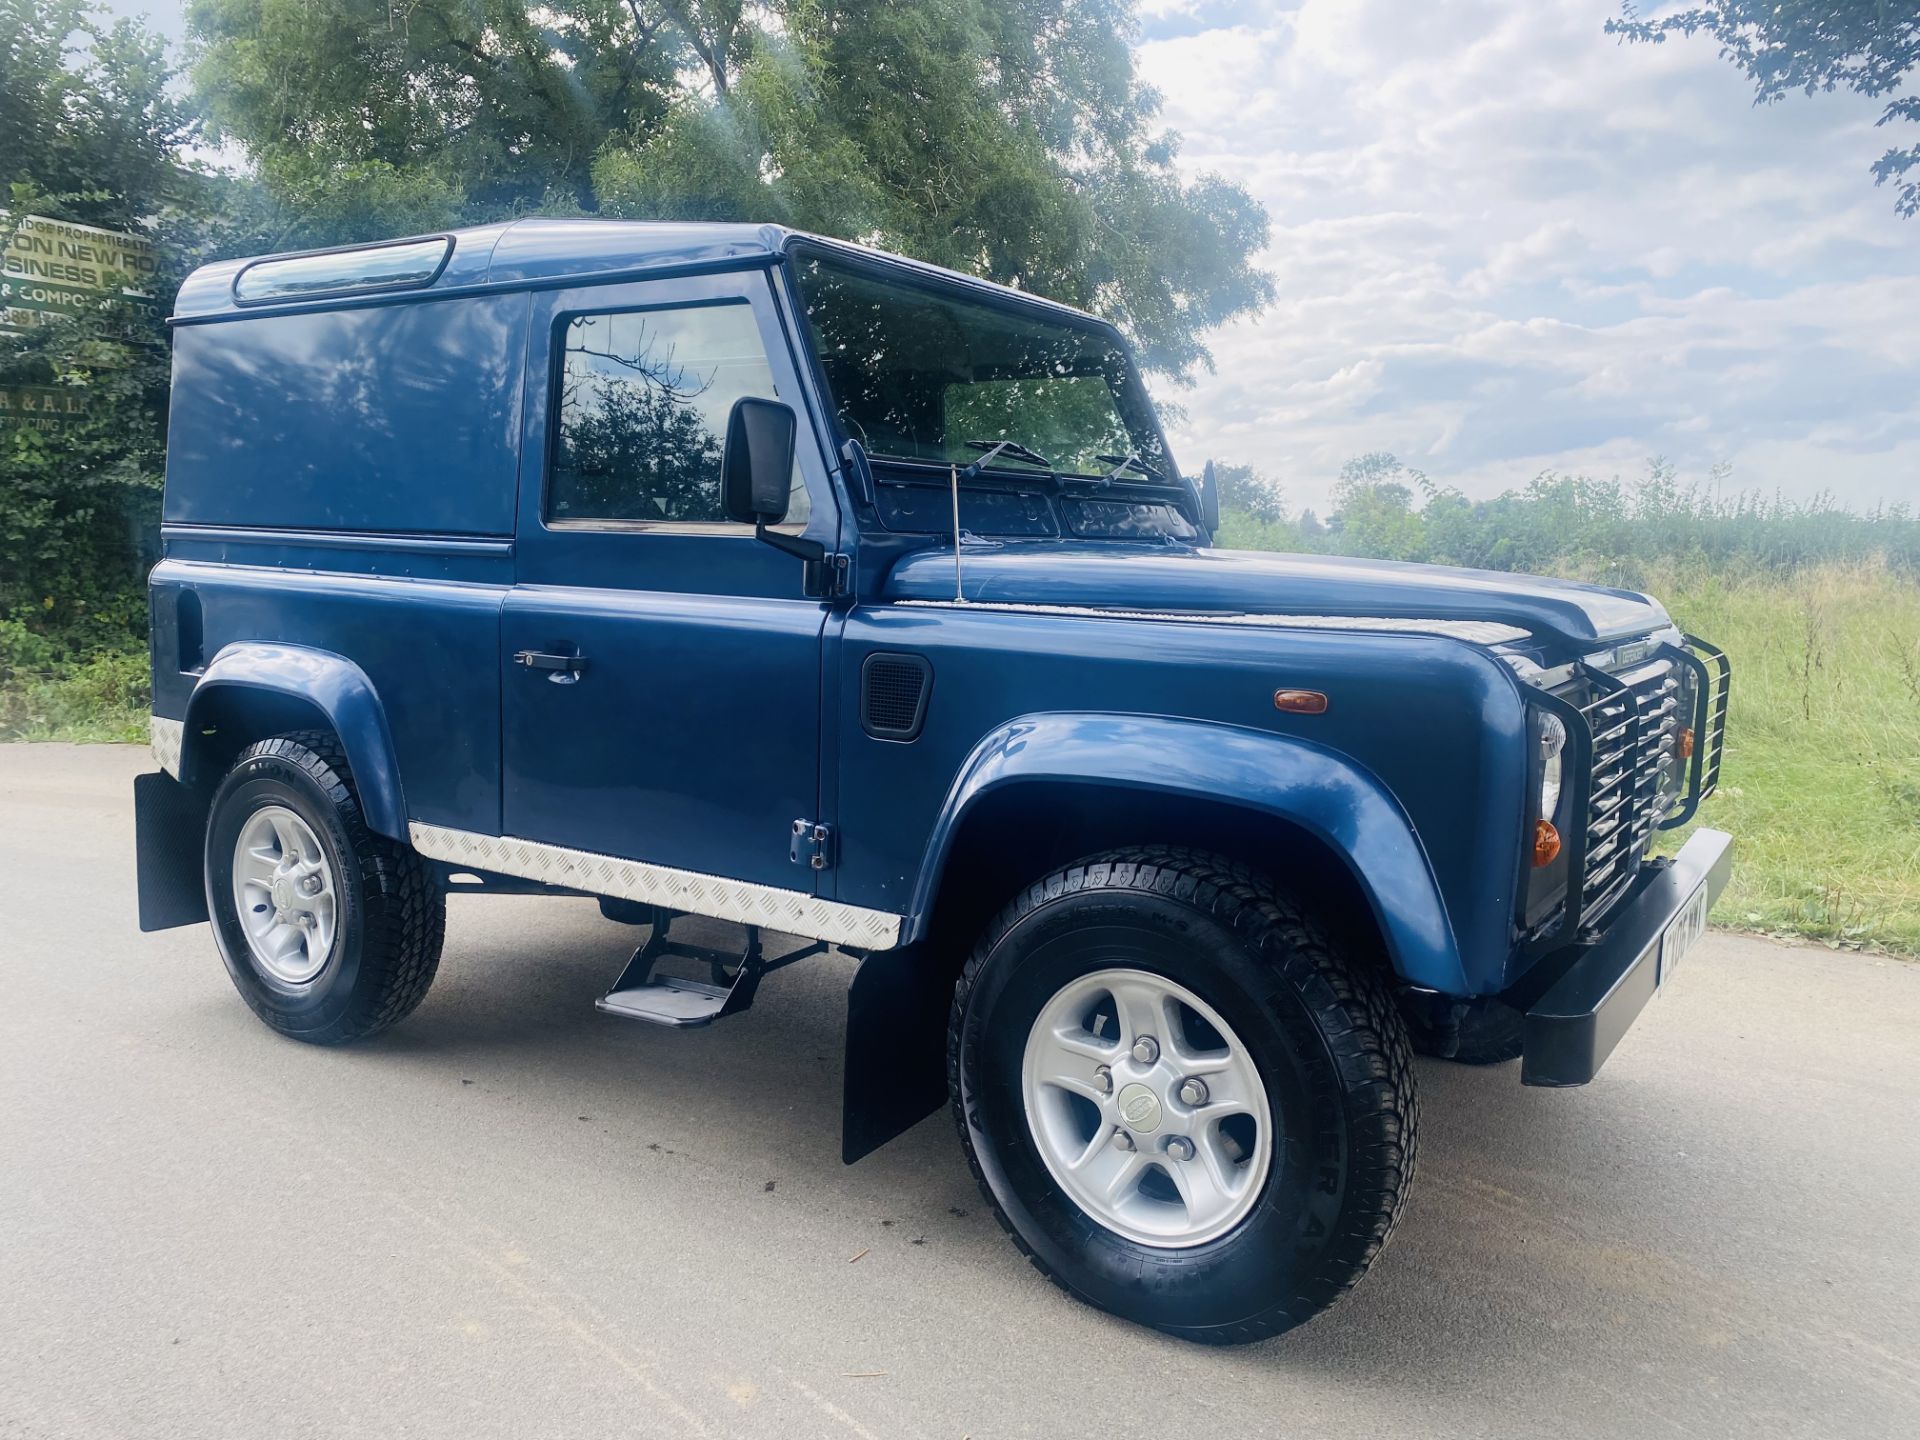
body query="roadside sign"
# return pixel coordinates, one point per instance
(50, 268)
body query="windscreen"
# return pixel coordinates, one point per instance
(918, 373)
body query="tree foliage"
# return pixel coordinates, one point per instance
(1245, 489)
(1871, 47)
(89, 132)
(1009, 138)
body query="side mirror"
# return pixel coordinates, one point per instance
(756, 467)
(1209, 499)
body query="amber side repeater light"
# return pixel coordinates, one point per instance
(1300, 702)
(1546, 843)
(1683, 746)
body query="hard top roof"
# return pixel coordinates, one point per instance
(538, 251)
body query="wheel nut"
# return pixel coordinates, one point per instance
(1193, 1091)
(1122, 1140)
(1180, 1148)
(1146, 1049)
(1103, 1078)
(310, 885)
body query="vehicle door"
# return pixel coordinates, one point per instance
(661, 667)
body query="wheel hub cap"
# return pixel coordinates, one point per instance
(285, 895)
(1140, 1108)
(1108, 1080)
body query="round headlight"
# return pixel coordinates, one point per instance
(1553, 740)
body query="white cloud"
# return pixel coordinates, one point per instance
(1503, 243)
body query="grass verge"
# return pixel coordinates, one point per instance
(1821, 788)
(100, 699)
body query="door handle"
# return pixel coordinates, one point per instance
(561, 669)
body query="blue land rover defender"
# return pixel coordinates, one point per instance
(715, 570)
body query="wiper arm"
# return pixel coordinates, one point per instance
(1129, 461)
(995, 449)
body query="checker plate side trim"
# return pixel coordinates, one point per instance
(787, 911)
(166, 737)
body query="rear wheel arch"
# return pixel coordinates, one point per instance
(252, 692)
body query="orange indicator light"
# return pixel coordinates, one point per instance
(1684, 745)
(1546, 843)
(1300, 702)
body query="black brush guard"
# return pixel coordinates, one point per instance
(1580, 996)
(1614, 755)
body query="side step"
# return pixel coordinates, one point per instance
(684, 1001)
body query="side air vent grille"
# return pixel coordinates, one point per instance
(893, 695)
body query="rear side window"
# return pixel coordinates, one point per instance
(643, 402)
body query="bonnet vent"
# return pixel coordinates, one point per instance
(893, 695)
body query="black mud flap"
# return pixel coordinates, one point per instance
(896, 1047)
(170, 828)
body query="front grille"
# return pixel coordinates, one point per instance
(1635, 720)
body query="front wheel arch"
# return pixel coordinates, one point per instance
(1224, 788)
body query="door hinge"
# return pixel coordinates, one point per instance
(830, 577)
(812, 845)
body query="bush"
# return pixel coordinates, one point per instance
(47, 693)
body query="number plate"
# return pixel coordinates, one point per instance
(1685, 928)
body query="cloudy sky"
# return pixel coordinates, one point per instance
(1504, 244)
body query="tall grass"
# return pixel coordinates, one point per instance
(98, 696)
(1821, 787)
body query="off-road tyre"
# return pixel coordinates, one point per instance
(392, 918)
(1326, 1038)
(1490, 1033)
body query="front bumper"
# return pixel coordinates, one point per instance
(1593, 992)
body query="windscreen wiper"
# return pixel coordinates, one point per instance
(995, 449)
(1129, 461)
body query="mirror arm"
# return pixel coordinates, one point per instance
(812, 551)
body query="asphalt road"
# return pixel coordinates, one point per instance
(514, 1216)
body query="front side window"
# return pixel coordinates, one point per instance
(920, 373)
(643, 403)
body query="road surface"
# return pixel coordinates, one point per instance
(514, 1216)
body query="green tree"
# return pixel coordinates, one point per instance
(1009, 138)
(1871, 47)
(89, 132)
(1245, 489)
(1374, 511)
